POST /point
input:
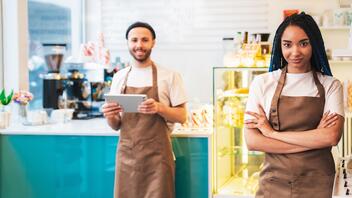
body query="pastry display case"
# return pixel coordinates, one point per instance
(235, 169)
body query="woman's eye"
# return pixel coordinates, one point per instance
(303, 44)
(286, 44)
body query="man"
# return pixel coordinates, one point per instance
(145, 165)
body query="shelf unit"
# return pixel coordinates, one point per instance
(345, 27)
(235, 168)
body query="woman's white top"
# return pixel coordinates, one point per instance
(263, 87)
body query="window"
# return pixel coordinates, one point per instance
(50, 23)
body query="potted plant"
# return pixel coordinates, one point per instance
(5, 115)
(22, 98)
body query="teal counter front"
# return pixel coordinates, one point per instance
(35, 165)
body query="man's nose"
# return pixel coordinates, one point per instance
(139, 43)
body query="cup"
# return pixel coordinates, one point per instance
(339, 18)
(57, 116)
(5, 119)
(317, 19)
(37, 117)
(348, 14)
(61, 115)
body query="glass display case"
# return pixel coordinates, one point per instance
(235, 169)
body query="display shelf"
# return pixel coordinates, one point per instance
(229, 95)
(235, 167)
(244, 68)
(343, 27)
(340, 62)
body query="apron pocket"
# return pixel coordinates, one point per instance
(125, 160)
(314, 186)
(148, 155)
(273, 186)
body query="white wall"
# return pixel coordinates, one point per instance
(196, 66)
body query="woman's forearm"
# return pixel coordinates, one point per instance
(314, 139)
(256, 141)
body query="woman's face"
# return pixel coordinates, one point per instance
(296, 49)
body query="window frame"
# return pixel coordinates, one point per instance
(1, 50)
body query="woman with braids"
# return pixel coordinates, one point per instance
(295, 114)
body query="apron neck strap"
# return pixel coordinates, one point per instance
(273, 115)
(155, 80)
(320, 87)
(274, 108)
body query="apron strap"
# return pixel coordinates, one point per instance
(155, 82)
(320, 87)
(123, 87)
(274, 113)
(274, 108)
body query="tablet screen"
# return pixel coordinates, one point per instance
(129, 102)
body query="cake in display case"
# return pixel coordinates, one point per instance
(235, 169)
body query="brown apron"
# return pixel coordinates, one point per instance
(144, 165)
(308, 174)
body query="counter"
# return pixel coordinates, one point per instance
(77, 159)
(93, 127)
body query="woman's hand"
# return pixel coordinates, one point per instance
(111, 110)
(328, 120)
(150, 106)
(259, 122)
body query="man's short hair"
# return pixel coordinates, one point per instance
(140, 24)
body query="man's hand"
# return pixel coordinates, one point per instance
(259, 122)
(111, 110)
(150, 106)
(328, 120)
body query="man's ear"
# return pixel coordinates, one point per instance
(153, 43)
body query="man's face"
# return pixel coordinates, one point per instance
(140, 43)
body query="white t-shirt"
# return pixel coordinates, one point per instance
(171, 89)
(263, 88)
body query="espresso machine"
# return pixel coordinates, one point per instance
(53, 85)
(71, 85)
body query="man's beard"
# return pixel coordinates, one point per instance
(144, 58)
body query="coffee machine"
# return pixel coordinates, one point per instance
(53, 84)
(74, 85)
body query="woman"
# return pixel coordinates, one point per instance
(287, 114)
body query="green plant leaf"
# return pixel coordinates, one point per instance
(9, 98)
(5, 100)
(2, 97)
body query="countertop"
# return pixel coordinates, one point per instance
(92, 127)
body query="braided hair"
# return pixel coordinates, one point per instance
(319, 60)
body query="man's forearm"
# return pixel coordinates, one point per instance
(114, 122)
(173, 114)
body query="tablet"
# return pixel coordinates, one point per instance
(129, 102)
